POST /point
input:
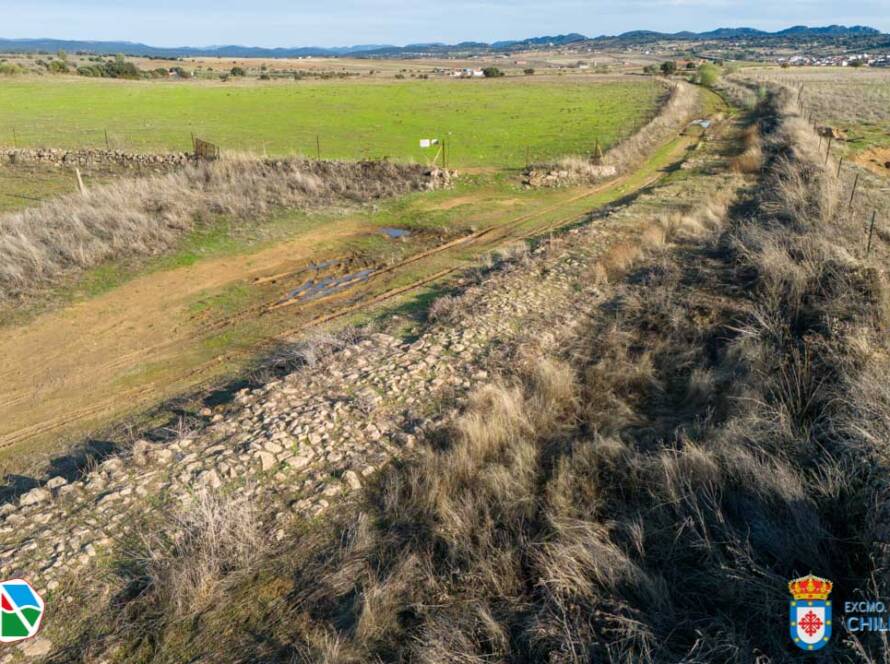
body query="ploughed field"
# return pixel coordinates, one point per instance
(486, 122)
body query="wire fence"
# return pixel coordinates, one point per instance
(501, 148)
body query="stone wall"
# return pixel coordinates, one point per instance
(100, 159)
(566, 177)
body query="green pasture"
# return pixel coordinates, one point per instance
(494, 123)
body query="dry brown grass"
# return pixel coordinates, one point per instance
(718, 428)
(681, 107)
(836, 96)
(750, 160)
(148, 216)
(185, 560)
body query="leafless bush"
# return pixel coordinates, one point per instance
(750, 160)
(445, 309)
(313, 348)
(147, 216)
(738, 91)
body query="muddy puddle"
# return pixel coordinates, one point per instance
(396, 233)
(315, 289)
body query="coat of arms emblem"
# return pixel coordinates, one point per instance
(810, 615)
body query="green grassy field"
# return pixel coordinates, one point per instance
(487, 123)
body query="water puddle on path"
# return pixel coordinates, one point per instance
(396, 233)
(317, 289)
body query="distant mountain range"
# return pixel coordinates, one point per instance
(387, 50)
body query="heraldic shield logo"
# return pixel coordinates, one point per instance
(810, 614)
(22, 611)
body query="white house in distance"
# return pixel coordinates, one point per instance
(466, 72)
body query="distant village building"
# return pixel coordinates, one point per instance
(859, 60)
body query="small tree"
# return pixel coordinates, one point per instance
(690, 65)
(668, 68)
(238, 71)
(651, 70)
(708, 75)
(492, 72)
(529, 72)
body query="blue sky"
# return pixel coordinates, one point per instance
(347, 22)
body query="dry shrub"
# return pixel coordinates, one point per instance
(618, 258)
(209, 537)
(695, 223)
(313, 348)
(445, 309)
(142, 217)
(579, 169)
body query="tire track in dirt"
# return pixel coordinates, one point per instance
(486, 237)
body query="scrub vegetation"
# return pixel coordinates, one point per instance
(718, 427)
(146, 216)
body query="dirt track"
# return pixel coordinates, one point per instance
(71, 370)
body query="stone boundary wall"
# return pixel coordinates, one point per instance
(108, 159)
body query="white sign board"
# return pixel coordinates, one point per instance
(428, 142)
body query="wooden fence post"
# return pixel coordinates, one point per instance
(839, 164)
(871, 232)
(15, 139)
(318, 147)
(80, 184)
(107, 142)
(855, 184)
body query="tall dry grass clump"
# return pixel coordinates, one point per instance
(750, 159)
(143, 217)
(184, 562)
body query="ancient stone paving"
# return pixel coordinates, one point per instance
(295, 445)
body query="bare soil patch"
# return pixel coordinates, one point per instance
(877, 160)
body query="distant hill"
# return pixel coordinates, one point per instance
(387, 50)
(133, 48)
